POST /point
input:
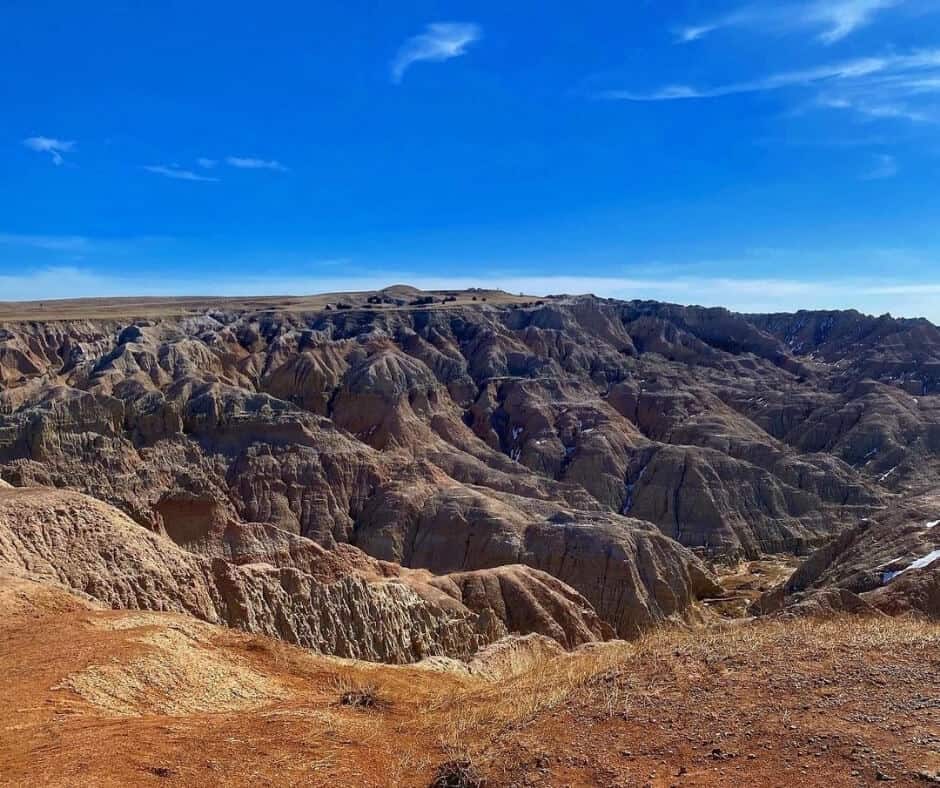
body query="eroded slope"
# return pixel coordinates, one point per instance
(581, 437)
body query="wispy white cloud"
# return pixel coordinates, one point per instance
(884, 166)
(440, 41)
(52, 146)
(894, 86)
(872, 103)
(743, 17)
(176, 172)
(842, 18)
(694, 32)
(251, 163)
(850, 70)
(207, 164)
(833, 19)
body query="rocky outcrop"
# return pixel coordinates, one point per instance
(577, 436)
(631, 573)
(92, 549)
(906, 352)
(257, 578)
(518, 599)
(831, 602)
(888, 563)
(915, 592)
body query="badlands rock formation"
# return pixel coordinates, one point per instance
(559, 466)
(341, 603)
(890, 563)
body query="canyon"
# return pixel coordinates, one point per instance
(442, 479)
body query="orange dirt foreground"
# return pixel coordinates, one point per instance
(100, 697)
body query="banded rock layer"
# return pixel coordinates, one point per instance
(344, 604)
(599, 442)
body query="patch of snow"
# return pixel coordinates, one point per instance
(933, 524)
(886, 475)
(920, 563)
(927, 560)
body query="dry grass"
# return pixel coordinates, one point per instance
(459, 773)
(772, 689)
(175, 674)
(183, 306)
(358, 695)
(470, 718)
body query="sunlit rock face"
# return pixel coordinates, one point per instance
(610, 445)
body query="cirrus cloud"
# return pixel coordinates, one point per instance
(177, 173)
(253, 163)
(440, 41)
(834, 19)
(54, 147)
(887, 87)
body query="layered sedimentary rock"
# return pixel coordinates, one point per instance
(340, 603)
(517, 599)
(93, 549)
(589, 439)
(890, 563)
(916, 592)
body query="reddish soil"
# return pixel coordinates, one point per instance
(794, 702)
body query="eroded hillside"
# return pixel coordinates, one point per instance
(477, 463)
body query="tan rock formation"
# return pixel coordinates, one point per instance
(467, 436)
(261, 579)
(89, 547)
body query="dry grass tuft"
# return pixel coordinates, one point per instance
(457, 774)
(362, 698)
(358, 696)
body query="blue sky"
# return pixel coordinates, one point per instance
(756, 155)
